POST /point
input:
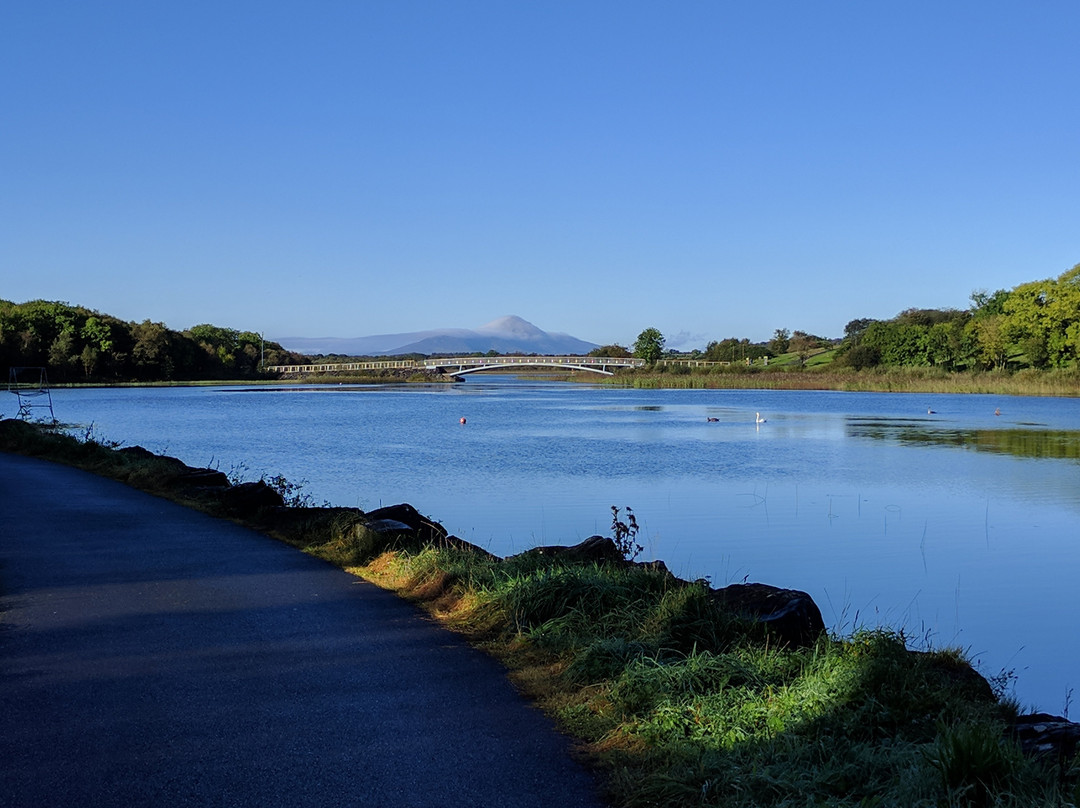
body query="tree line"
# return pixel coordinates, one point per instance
(78, 344)
(1033, 325)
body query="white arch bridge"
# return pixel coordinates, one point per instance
(462, 365)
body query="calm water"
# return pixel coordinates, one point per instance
(959, 526)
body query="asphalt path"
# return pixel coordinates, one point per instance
(152, 655)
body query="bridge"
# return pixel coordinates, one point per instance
(462, 365)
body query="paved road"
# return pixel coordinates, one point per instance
(151, 655)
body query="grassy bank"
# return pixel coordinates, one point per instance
(876, 380)
(675, 700)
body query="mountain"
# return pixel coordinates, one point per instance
(509, 334)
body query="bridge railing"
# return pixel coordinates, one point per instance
(480, 361)
(692, 363)
(331, 368)
(462, 362)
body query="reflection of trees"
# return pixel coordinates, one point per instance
(1039, 443)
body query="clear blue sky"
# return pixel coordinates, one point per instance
(712, 169)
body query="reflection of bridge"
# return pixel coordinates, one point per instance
(459, 366)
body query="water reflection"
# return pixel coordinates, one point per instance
(1055, 444)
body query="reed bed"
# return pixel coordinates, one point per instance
(1063, 383)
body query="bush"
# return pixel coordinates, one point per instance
(862, 356)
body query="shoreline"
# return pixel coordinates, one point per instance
(1047, 383)
(1051, 384)
(566, 629)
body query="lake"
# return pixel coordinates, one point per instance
(958, 525)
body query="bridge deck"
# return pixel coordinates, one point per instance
(457, 366)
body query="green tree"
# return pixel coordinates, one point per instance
(97, 333)
(803, 345)
(151, 350)
(982, 302)
(62, 352)
(944, 343)
(649, 345)
(89, 359)
(615, 351)
(726, 350)
(854, 330)
(861, 356)
(780, 341)
(1043, 317)
(216, 337)
(991, 341)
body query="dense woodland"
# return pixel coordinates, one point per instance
(77, 344)
(1034, 325)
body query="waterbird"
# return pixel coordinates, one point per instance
(930, 411)
(997, 411)
(760, 420)
(710, 418)
(463, 419)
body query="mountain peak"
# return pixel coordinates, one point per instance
(511, 326)
(510, 334)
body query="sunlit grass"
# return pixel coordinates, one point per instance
(680, 704)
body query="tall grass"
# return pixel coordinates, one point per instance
(681, 704)
(881, 380)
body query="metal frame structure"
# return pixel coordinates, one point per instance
(31, 386)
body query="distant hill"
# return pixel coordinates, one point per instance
(509, 334)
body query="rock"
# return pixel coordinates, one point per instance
(426, 531)
(201, 478)
(790, 615)
(1045, 734)
(594, 550)
(960, 676)
(389, 526)
(455, 543)
(177, 473)
(250, 498)
(140, 453)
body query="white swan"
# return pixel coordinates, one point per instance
(760, 420)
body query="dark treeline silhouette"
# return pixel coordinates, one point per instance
(77, 344)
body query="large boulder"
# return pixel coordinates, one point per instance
(789, 615)
(250, 499)
(174, 472)
(201, 478)
(141, 453)
(1047, 735)
(457, 543)
(594, 550)
(404, 518)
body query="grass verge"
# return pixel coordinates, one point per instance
(675, 701)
